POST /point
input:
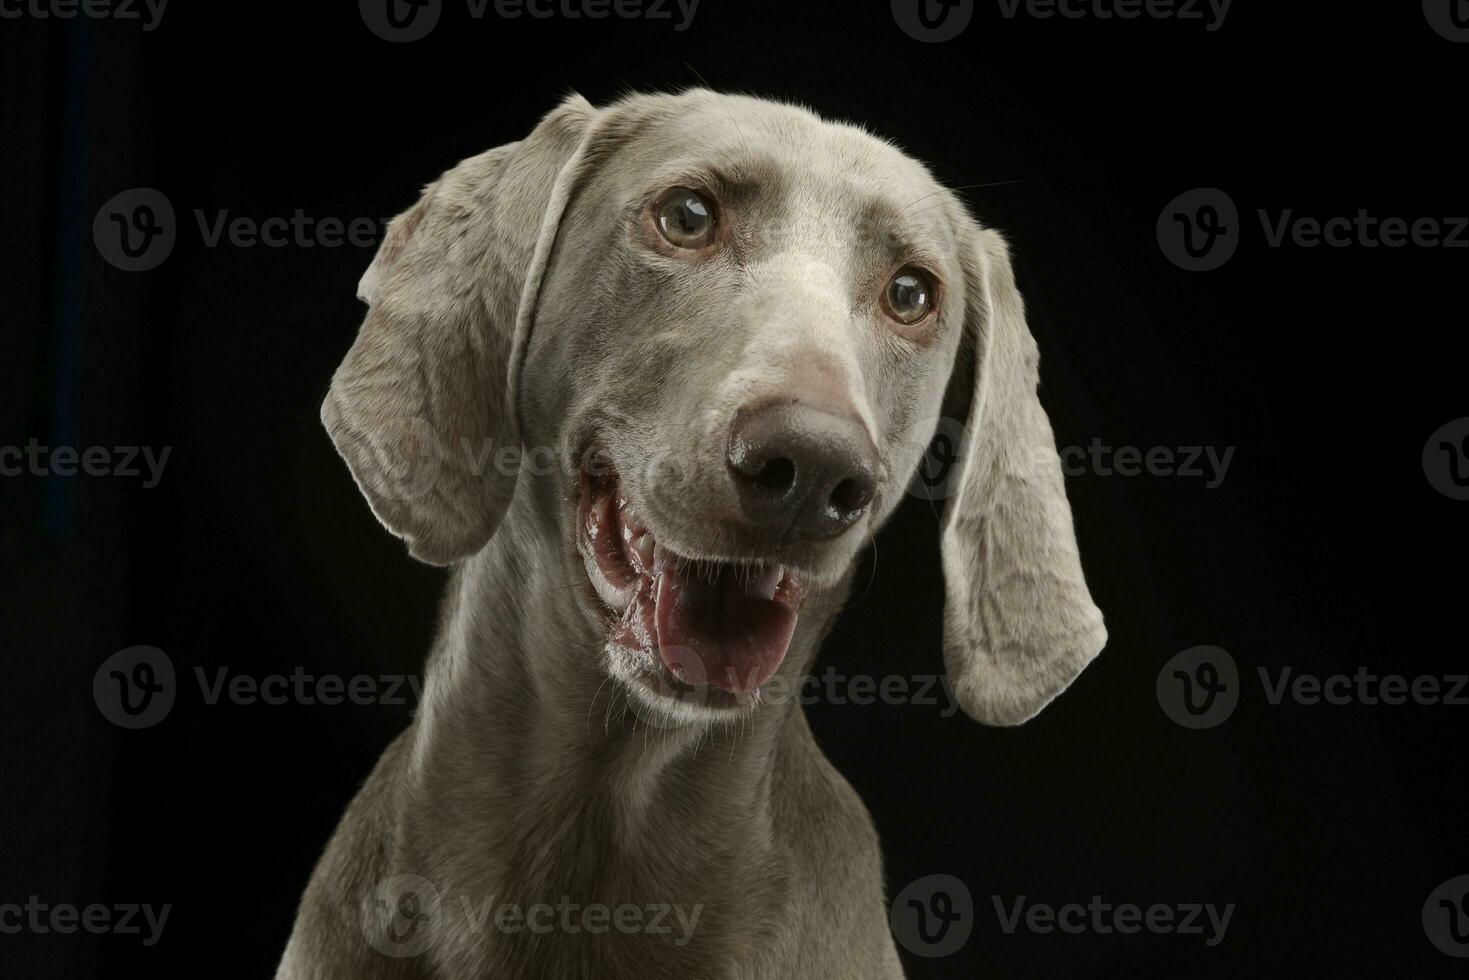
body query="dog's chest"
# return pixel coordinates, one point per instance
(576, 904)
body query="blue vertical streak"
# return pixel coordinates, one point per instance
(72, 230)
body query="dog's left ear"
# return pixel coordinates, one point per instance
(1019, 623)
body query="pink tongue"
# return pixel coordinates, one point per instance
(717, 633)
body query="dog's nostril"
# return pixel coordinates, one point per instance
(851, 495)
(777, 474)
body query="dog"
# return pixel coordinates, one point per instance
(648, 380)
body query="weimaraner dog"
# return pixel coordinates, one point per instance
(648, 380)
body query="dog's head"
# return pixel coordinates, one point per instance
(721, 332)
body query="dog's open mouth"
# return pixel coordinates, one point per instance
(723, 624)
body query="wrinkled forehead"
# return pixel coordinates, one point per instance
(809, 181)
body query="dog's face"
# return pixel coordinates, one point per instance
(745, 313)
(733, 325)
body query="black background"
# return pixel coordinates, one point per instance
(1325, 547)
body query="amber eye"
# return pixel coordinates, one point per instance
(909, 296)
(685, 218)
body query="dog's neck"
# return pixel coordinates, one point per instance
(526, 746)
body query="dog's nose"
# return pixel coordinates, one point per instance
(801, 472)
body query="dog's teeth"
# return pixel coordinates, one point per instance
(642, 546)
(765, 582)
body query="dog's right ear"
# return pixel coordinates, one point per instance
(424, 403)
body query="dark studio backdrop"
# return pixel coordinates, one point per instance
(1327, 545)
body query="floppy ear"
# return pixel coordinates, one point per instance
(1019, 623)
(424, 403)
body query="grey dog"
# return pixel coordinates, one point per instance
(648, 380)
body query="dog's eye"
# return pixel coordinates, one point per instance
(685, 218)
(909, 296)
